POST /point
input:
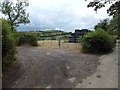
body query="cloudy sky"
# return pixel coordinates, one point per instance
(66, 15)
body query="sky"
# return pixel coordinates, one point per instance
(66, 15)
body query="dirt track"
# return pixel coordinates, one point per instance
(50, 68)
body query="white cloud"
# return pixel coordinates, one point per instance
(64, 14)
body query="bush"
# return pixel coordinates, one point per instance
(98, 41)
(8, 46)
(26, 38)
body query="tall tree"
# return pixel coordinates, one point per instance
(114, 9)
(15, 12)
(104, 24)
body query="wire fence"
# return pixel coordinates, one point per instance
(60, 43)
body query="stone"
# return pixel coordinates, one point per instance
(98, 75)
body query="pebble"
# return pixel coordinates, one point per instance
(117, 63)
(48, 87)
(98, 75)
(89, 82)
(88, 69)
(115, 59)
(16, 82)
(72, 79)
(48, 53)
(26, 77)
(80, 82)
(67, 67)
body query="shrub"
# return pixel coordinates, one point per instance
(26, 38)
(8, 46)
(98, 41)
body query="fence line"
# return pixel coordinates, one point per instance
(59, 43)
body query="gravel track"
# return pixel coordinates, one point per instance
(50, 68)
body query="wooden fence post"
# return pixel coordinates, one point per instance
(59, 42)
(43, 41)
(51, 42)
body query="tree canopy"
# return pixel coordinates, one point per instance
(114, 10)
(15, 12)
(103, 24)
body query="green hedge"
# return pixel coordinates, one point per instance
(8, 46)
(26, 38)
(98, 41)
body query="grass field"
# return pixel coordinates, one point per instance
(53, 41)
(54, 44)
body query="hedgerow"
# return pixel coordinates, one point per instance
(26, 38)
(8, 46)
(98, 41)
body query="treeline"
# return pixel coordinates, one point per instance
(52, 34)
(48, 33)
(110, 26)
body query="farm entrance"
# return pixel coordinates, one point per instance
(58, 43)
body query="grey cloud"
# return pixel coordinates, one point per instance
(60, 16)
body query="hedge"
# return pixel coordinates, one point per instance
(26, 38)
(8, 46)
(98, 41)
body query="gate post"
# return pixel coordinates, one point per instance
(43, 41)
(51, 42)
(59, 42)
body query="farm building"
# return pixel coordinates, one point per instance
(75, 36)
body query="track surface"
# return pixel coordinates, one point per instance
(50, 68)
